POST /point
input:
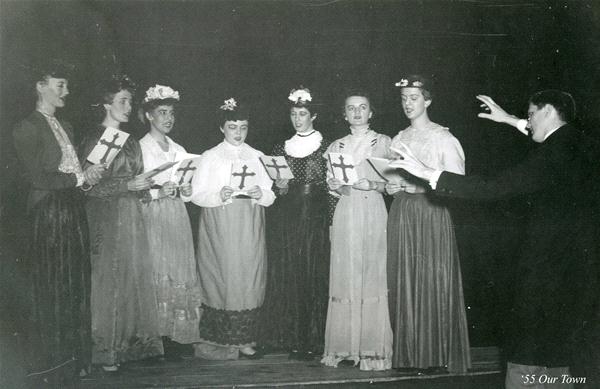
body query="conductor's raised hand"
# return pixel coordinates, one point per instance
(139, 183)
(495, 112)
(255, 192)
(226, 192)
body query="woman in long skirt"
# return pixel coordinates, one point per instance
(233, 188)
(295, 309)
(426, 297)
(358, 322)
(124, 307)
(168, 226)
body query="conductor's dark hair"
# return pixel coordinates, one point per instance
(562, 101)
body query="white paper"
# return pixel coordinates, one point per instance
(277, 167)
(108, 146)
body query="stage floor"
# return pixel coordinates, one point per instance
(275, 370)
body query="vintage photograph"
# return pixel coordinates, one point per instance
(300, 194)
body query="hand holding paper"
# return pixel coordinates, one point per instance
(139, 183)
(343, 168)
(277, 167)
(410, 163)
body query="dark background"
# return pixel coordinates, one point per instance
(259, 50)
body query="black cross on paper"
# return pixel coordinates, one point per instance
(342, 166)
(185, 170)
(243, 174)
(277, 167)
(109, 146)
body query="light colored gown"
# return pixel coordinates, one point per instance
(231, 252)
(358, 323)
(426, 297)
(171, 250)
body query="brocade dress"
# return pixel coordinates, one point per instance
(295, 308)
(424, 278)
(171, 250)
(124, 307)
(58, 254)
(358, 322)
(232, 255)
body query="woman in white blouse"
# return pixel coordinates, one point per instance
(168, 226)
(425, 288)
(233, 188)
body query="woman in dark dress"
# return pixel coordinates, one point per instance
(298, 241)
(123, 301)
(58, 255)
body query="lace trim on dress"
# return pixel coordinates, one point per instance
(69, 162)
(302, 146)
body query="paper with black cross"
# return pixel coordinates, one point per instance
(243, 176)
(343, 168)
(183, 172)
(276, 167)
(108, 146)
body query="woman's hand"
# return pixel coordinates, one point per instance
(169, 189)
(255, 192)
(282, 183)
(93, 173)
(186, 190)
(392, 188)
(226, 192)
(139, 183)
(334, 183)
(364, 184)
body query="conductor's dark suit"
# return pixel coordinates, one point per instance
(556, 272)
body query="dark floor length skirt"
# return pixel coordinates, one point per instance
(424, 279)
(59, 265)
(295, 307)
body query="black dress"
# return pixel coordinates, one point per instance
(295, 307)
(58, 256)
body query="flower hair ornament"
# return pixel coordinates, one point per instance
(300, 96)
(230, 105)
(410, 82)
(161, 92)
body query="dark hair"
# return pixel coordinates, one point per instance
(105, 92)
(107, 89)
(561, 101)
(311, 108)
(53, 67)
(148, 106)
(421, 82)
(357, 92)
(241, 112)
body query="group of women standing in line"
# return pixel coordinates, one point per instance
(321, 273)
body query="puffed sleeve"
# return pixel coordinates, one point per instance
(452, 155)
(204, 191)
(383, 147)
(30, 151)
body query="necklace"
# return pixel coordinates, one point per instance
(304, 136)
